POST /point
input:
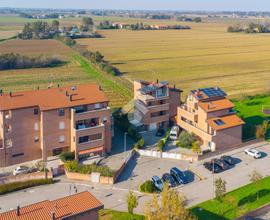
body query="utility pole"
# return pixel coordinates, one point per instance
(125, 142)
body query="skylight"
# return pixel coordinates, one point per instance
(219, 122)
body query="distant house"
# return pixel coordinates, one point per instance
(80, 206)
(121, 25)
(209, 114)
(155, 104)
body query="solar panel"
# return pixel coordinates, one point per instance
(213, 92)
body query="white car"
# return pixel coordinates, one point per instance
(21, 170)
(254, 153)
(174, 133)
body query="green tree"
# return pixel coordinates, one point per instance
(255, 178)
(171, 206)
(132, 202)
(196, 147)
(186, 139)
(220, 189)
(261, 130)
(87, 24)
(55, 25)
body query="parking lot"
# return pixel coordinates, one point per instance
(143, 168)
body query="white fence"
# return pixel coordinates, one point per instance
(176, 156)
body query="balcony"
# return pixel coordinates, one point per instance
(152, 108)
(147, 98)
(90, 144)
(183, 111)
(87, 114)
(159, 118)
(84, 130)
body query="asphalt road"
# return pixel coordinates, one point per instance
(114, 196)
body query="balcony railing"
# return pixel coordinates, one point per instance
(88, 126)
(79, 112)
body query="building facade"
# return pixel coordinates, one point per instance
(81, 206)
(209, 115)
(155, 104)
(41, 123)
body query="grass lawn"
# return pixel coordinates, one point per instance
(236, 203)
(107, 214)
(251, 110)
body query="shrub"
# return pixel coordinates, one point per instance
(139, 144)
(11, 187)
(186, 139)
(161, 144)
(196, 147)
(147, 187)
(74, 166)
(133, 133)
(67, 156)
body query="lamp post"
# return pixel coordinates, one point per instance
(125, 142)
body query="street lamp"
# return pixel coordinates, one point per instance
(125, 142)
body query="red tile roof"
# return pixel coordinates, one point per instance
(228, 121)
(54, 98)
(216, 105)
(67, 206)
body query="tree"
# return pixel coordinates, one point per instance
(132, 202)
(261, 130)
(197, 20)
(220, 189)
(186, 139)
(55, 25)
(171, 206)
(196, 147)
(255, 178)
(87, 24)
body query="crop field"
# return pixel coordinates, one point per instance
(204, 56)
(76, 71)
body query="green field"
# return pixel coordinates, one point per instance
(205, 56)
(251, 110)
(115, 215)
(236, 203)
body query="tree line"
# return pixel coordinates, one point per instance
(250, 28)
(187, 19)
(16, 61)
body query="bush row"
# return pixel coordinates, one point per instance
(16, 61)
(74, 166)
(67, 156)
(163, 141)
(11, 187)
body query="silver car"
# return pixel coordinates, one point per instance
(21, 170)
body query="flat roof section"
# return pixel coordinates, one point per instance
(225, 122)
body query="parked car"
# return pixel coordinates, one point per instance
(179, 176)
(160, 132)
(213, 167)
(174, 133)
(228, 159)
(223, 164)
(254, 153)
(168, 178)
(21, 170)
(157, 182)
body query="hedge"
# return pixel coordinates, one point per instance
(74, 166)
(11, 187)
(147, 187)
(67, 156)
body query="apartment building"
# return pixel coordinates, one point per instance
(209, 114)
(155, 104)
(41, 123)
(81, 206)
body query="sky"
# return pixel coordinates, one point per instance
(209, 5)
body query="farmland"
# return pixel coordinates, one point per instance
(205, 56)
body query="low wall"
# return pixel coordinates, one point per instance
(25, 177)
(176, 156)
(100, 179)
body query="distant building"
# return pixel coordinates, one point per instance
(209, 114)
(155, 104)
(41, 123)
(81, 206)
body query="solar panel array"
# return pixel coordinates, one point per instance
(149, 88)
(213, 92)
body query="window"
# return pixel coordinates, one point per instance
(36, 111)
(83, 139)
(97, 106)
(61, 125)
(18, 155)
(62, 139)
(36, 127)
(61, 112)
(36, 138)
(219, 122)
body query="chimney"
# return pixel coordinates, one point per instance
(100, 89)
(18, 211)
(67, 93)
(10, 94)
(157, 81)
(174, 86)
(70, 98)
(53, 216)
(38, 88)
(1, 92)
(58, 85)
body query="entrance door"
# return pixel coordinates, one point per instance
(153, 127)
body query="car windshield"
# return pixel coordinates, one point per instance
(159, 182)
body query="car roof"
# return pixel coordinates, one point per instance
(155, 178)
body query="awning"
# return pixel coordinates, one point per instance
(93, 150)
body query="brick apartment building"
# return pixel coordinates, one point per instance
(41, 123)
(81, 206)
(209, 114)
(155, 104)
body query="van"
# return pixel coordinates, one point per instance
(174, 133)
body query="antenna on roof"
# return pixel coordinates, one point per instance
(18, 211)
(58, 85)
(10, 93)
(1, 92)
(38, 88)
